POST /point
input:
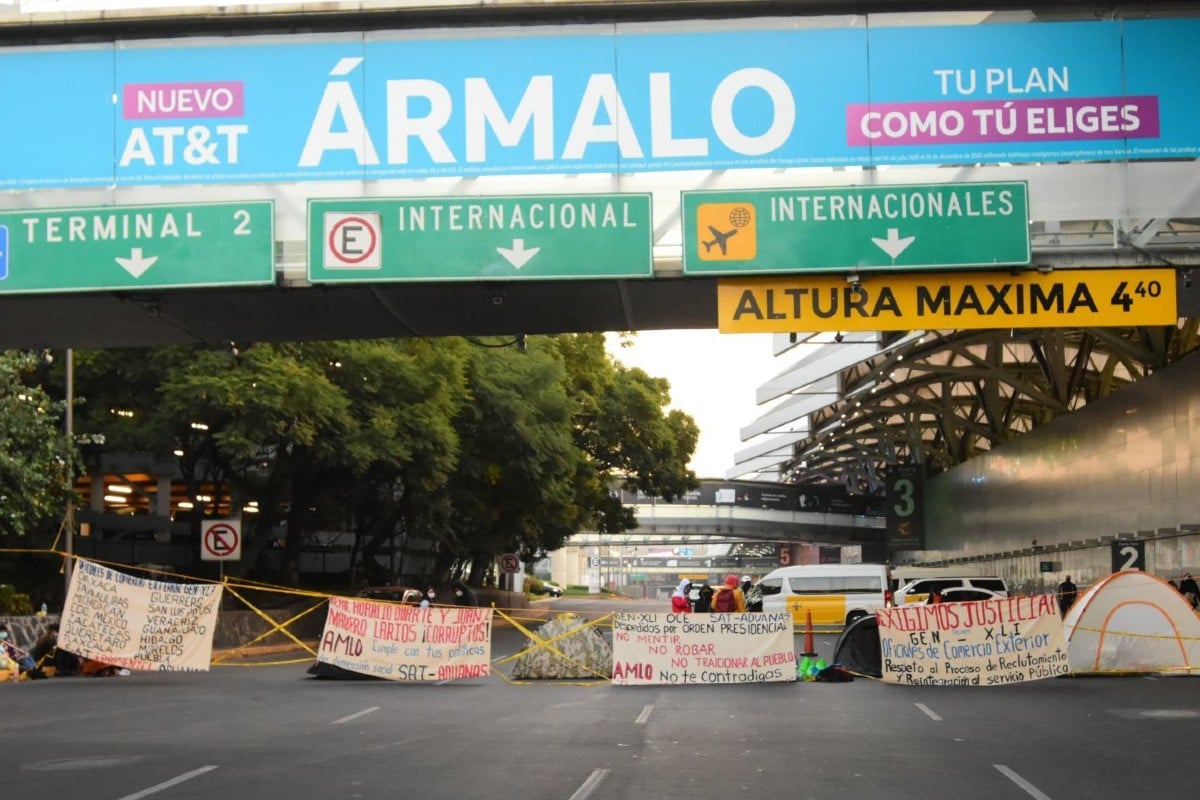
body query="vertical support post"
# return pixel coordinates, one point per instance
(69, 562)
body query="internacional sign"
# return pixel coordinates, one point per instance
(137, 247)
(971, 300)
(856, 227)
(480, 238)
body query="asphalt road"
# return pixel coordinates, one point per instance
(272, 731)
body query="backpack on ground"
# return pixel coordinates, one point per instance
(723, 601)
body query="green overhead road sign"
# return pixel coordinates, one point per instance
(480, 238)
(138, 247)
(856, 228)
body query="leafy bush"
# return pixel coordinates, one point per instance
(534, 585)
(13, 602)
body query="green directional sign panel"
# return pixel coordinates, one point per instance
(137, 247)
(480, 238)
(856, 228)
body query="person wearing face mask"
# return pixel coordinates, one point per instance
(430, 596)
(24, 661)
(463, 594)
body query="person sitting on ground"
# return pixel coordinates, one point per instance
(24, 661)
(46, 643)
(679, 600)
(728, 599)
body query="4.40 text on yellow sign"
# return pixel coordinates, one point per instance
(884, 302)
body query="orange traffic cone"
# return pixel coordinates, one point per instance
(808, 637)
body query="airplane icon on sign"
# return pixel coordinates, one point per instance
(720, 239)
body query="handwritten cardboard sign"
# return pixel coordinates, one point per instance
(137, 623)
(406, 643)
(702, 648)
(980, 643)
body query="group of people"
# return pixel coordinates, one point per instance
(733, 596)
(46, 658)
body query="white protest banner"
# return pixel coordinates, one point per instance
(980, 643)
(702, 648)
(406, 643)
(138, 623)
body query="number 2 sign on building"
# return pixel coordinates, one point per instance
(220, 540)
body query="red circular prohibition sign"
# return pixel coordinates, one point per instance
(221, 540)
(335, 227)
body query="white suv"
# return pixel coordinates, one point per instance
(918, 591)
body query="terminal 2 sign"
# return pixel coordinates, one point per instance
(972, 300)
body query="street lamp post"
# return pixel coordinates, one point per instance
(68, 562)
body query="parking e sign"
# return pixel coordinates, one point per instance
(3, 252)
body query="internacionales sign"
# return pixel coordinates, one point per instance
(855, 227)
(1070, 298)
(981, 643)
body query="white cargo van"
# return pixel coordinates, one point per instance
(836, 594)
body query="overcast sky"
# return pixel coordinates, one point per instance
(713, 379)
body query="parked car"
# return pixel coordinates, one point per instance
(965, 594)
(397, 594)
(551, 588)
(918, 591)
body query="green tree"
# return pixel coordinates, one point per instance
(38, 461)
(327, 435)
(629, 438)
(513, 485)
(404, 395)
(479, 449)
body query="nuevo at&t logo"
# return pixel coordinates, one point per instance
(196, 144)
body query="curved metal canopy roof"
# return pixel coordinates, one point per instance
(939, 398)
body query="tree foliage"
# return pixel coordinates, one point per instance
(38, 461)
(478, 449)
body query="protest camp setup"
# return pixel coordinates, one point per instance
(1129, 622)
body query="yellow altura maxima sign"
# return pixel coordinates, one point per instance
(882, 302)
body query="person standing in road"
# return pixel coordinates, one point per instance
(679, 600)
(1067, 592)
(728, 598)
(1189, 589)
(753, 594)
(704, 599)
(463, 594)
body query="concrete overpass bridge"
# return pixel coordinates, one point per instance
(747, 527)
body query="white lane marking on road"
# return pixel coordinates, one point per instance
(590, 784)
(158, 787)
(928, 712)
(1029, 788)
(644, 717)
(356, 715)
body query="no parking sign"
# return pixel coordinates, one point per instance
(220, 540)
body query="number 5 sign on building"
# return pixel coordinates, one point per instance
(220, 540)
